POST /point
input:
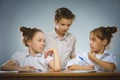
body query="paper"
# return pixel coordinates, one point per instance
(8, 71)
(34, 71)
(80, 71)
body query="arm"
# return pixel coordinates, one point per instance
(102, 64)
(78, 67)
(73, 53)
(72, 56)
(11, 65)
(75, 64)
(55, 64)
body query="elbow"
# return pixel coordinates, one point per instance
(57, 69)
(2, 68)
(113, 67)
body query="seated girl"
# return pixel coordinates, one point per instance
(98, 58)
(33, 58)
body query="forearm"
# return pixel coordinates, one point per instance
(57, 62)
(10, 67)
(78, 67)
(105, 65)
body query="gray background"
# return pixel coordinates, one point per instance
(40, 13)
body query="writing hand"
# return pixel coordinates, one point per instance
(89, 67)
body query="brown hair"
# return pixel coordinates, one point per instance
(104, 33)
(63, 13)
(28, 33)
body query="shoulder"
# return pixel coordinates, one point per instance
(71, 36)
(49, 33)
(19, 53)
(109, 53)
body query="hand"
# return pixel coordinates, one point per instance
(50, 52)
(89, 67)
(27, 68)
(92, 55)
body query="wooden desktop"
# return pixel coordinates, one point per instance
(60, 76)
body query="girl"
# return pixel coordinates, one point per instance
(61, 38)
(98, 58)
(33, 59)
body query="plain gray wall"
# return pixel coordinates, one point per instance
(40, 13)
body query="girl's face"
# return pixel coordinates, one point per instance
(38, 42)
(96, 45)
(63, 25)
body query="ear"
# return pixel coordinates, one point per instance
(104, 42)
(29, 42)
(55, 22)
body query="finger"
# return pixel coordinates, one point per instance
(33, 68)
(91, 51)
(49, 52)
(45, 54)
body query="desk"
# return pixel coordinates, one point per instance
(60, 76)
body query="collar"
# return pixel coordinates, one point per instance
(105, 53)
(62, 38)
(28, 54)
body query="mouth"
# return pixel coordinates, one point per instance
(65, 31)
(91, 48)
(41, 48)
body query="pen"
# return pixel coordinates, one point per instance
(83, 60)
(38, 70)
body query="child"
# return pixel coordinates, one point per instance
(61, 38)
(98, 58)
(33, 58)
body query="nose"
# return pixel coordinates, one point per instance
(43, 43)
(66, 27)
(90, 43)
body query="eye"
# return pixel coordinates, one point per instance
(39, 40)
(62, 24)
(92, 39)
(69, 25)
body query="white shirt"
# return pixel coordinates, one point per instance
(65, 45)
(106, 56)
(38, 61)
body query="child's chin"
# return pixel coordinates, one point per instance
(40, 51)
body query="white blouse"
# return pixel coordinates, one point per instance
(106, 56)
(38, 61)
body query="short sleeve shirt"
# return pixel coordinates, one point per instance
(23, 58)
(106, 56)
(65, 45)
